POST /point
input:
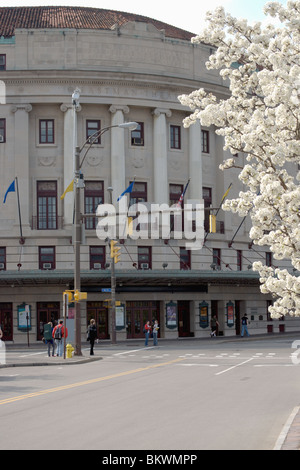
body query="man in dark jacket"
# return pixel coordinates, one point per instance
(92, 335)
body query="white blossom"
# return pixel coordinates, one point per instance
(260, 118)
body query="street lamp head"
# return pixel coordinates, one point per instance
(129, 125)
(75, 97)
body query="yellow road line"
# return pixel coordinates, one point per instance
(86, 382)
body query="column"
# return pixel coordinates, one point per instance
(69, 148)
(117, 154)
(195, 161)
(22, 158)
(160, 156)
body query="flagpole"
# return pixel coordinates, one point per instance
(22, 241)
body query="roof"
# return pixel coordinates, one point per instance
(76, 18)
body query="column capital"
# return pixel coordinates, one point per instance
(21, 107)
(115, 107)
(158, 111)
(64, 107)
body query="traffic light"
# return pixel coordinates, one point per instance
(69, 293)
(79, 296)
(212, 224)
(115, 251)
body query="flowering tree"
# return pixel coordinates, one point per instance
(261, 118)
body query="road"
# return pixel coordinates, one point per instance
(181, 395)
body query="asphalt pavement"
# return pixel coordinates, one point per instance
(34, 355)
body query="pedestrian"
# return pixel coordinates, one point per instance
(48, 330)
(92, 335)
(214, 325)
(147, 330)
(2, 348)
(155, 332)
(245, 323)
(59, 332)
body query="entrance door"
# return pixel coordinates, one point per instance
(137, 314)
(99, 313)
(46, 312)
(184, 318)
(6, 321)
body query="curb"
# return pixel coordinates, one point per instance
(43, 364)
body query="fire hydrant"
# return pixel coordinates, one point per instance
(69, 349)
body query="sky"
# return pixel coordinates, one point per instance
(188, 15)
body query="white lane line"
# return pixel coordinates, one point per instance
(285, 430)
(234, 367)
(134, 350)
(33, 354)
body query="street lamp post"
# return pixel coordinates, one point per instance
(78, 217)
(113, 290)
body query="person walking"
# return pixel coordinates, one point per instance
(147, 329)
(245, 323)
(214, 325)
(92, 335)
(59, 332)
(155, 332)
(48, 330)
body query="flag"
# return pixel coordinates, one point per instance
(128, 190)
(11, 189)
(179, 203)
(68, 190)
(226, 194)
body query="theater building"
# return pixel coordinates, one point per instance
(128, 68)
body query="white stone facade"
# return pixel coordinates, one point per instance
(132, 73)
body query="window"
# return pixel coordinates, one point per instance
(2, 61)
(144, 257)
(2, 130)
(207, 197)
(239, 258)
(93, 126)
(175, 193)
(93, 196)
(137, 136)
(269, 303)
(46, 131)
(185, 259)
(216, 264)
(139, 193)
(46, 257)
(46, 205)
(268, 259)
(174, 196)
(205, 141)
(2, 258)
(97, 257)
(175, 137)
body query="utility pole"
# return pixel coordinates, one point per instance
(76, 243)
(77, 224)
(113, 284)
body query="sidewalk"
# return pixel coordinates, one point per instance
(21, 355)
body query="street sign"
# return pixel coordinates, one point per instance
(106, 289)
